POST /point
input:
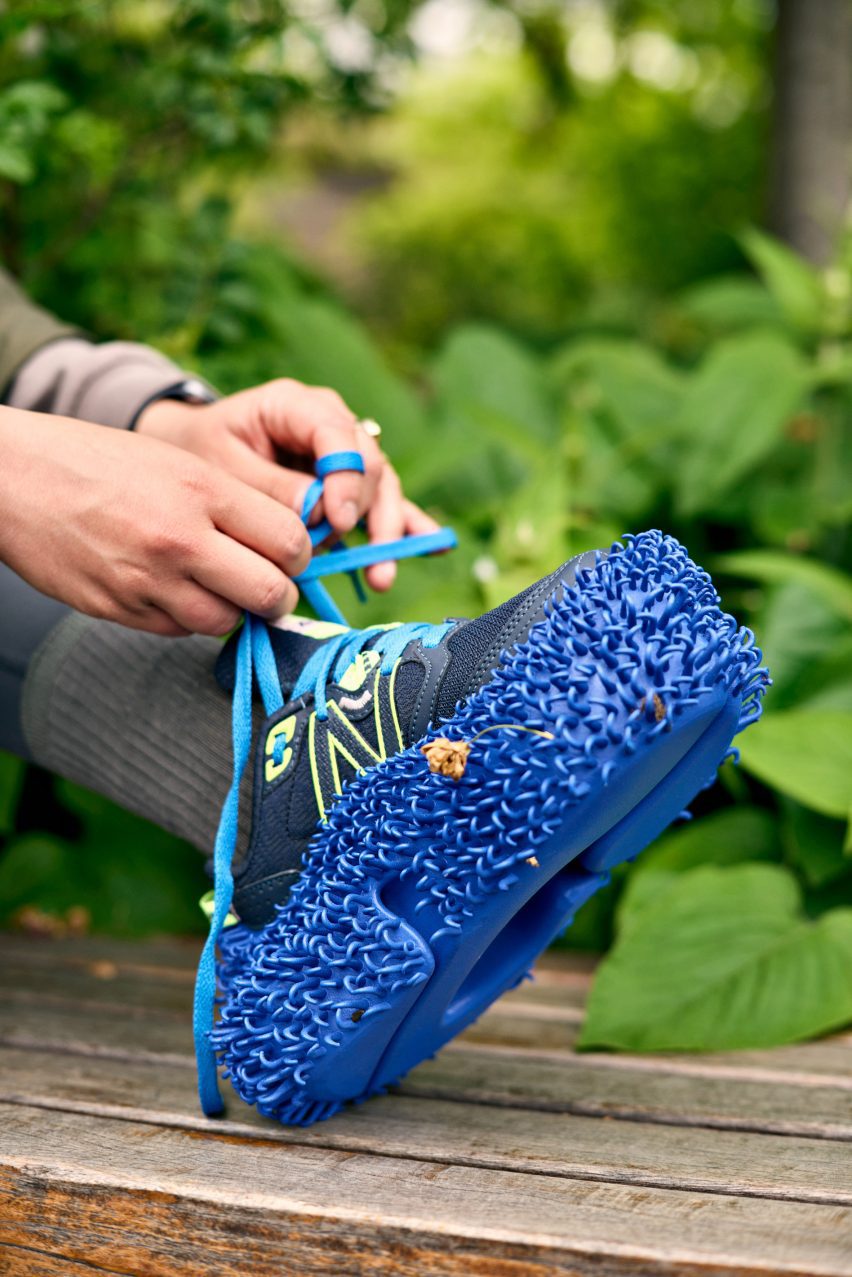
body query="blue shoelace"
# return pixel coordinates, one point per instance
(332, 660)
(256, 660)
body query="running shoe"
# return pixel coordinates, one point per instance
(433, 803)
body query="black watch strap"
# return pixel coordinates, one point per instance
(188, 390)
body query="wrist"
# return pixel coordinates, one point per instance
(22, 445)
(192, 390)
(169, 420)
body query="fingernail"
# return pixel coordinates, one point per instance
(289, 607)
(383, 576)
(348, 515)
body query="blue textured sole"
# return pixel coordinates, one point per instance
(423, 898)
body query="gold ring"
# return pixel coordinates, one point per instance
(370, 427)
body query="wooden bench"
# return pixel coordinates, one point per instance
(508, 1155)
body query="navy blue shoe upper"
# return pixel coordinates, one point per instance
(306, 753)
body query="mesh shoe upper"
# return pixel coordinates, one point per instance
(304, 759)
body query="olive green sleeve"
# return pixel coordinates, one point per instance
(24, 328)
(47, 366)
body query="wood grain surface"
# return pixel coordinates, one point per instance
(509, 1154)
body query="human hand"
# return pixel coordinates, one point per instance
(270, 437)
(136, 531)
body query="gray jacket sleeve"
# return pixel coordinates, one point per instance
(108, 383)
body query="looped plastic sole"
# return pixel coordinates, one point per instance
(424, 898)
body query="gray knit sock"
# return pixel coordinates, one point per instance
(138, 718)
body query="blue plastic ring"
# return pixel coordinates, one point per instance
(335, 461)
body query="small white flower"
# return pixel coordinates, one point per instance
(525, 533)
(485, 569)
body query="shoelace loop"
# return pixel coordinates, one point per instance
(330, 662)
(256, 659)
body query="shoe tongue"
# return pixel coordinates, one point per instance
(294, 640)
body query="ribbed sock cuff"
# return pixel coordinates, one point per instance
(139, 719)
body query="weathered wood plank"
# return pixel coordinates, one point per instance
(103, 980)
(540, 1027)
(540, 1017)
(656, 1089)
(175, 954)
(96, 1030)
(163, 953)
(535, 1028)
(97, 983)
(478, 1135)
(577, 1084)
(144, 1199)
(23, 1261)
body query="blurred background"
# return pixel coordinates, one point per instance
(589, 262)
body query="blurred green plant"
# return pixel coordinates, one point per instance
(501, 205)
(741, 447)
(118, 873)
(155, 114)
(729, 429)
(735, 437)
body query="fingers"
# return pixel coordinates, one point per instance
(385, 522)
(156, 621)
(347, 495)
(286, 486)
(151, 619)
(313, 421)
(417, 521)
(196, 611)
(398, 517)
(260, 523)
(230, 571)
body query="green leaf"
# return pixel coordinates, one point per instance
(771, 566)
(11, 776)
(725, 837)
(36, 869)
(804, 644)
(532, 523)
(15, 163)
(328, 347)
(792, 282)
(637, 386)
(806, 754)
(814, 844)
(796, 628)
(730, 303)
(486, 375)
(825, 683)
(722, 959)
(734, 413)
(31, 100)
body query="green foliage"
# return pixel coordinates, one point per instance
(807, 754)
(130, 877)
(721, 959)
(820, 579)
(126, 130)
(759, 379)
(554, 411)
(792, 284)
(26, 112)
(506, 206)
(11, 775)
